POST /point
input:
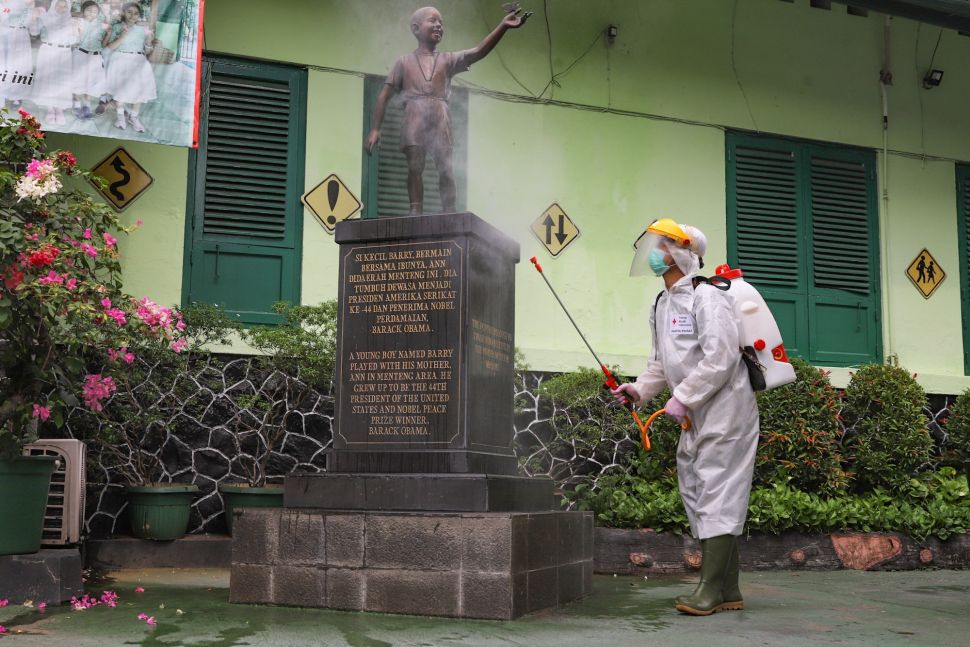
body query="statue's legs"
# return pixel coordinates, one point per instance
(415, 156)
(446, 178)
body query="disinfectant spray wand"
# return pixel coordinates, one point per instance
(610, 380)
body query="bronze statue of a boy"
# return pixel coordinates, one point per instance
(424, 76)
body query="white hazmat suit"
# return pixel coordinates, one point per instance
(695, 352)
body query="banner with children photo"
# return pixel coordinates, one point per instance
(107, 68)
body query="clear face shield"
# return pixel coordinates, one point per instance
(651, 251)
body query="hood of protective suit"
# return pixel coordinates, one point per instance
(689, 260)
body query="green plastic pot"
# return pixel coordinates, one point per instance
(240, 495)
(24, 486)
(160, 512)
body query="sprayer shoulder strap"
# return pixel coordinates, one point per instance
(719, 282)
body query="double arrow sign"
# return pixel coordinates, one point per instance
(561, 234)
(554, 229)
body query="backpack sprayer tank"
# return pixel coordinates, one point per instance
(757, 329)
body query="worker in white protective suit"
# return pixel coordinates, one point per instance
(696, 353)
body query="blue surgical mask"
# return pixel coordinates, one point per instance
(657, 264)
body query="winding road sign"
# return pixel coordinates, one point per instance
(124, 179)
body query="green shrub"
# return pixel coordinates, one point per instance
(303, 345)
(800, 434)
(589, 434)
(630, 501)
(957, 445)
(661, 461)
(886, 441)
(937, 504)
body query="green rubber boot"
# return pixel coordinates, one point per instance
(730, 591)
(707, 597)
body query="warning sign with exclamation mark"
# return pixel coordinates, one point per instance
(331, 201)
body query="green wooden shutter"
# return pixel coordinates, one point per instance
(763, 216)
(385, 171)
(843, 300)
(963, 235)
(802, 226)
(246, 179)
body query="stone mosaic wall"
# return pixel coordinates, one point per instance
(200, 441)
(204, 436)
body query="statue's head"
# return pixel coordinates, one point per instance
(427, 26)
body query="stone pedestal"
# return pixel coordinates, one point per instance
(420, 492)
(425, 346)
(421, 510)
(466, 565)
(50, 575)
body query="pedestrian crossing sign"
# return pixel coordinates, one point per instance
(925, 273)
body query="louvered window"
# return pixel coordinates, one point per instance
(246, 157)
(802, 226)
(245, 186)
(385, 171)
(963, 211)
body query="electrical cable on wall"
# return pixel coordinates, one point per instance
(734, 66)
(555, 77)
(481, 12)
(922, 120)
(552, 71)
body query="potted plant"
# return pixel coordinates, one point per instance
(64, 319)
(297, 364)
(132, 436)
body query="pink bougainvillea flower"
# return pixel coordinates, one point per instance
(33, 237)
(151, 620)
(3, 629)
(40, 169)
(90, 250)
(106, 303)
(4, 602)
(43, 413)
(143, 616)
(86, 602)
(109, 598)
(179, 345)
(52, 277)
(117, 315)
(109, 240)
(139, 589)
(71, 284)
(96, 389)
(41, 606)
(87, 233)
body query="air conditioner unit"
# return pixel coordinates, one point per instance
(64, 517)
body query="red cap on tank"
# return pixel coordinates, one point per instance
(759, 344)
(726, 271)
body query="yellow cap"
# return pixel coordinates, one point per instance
(669, 229)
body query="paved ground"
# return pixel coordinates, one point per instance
(916, 608)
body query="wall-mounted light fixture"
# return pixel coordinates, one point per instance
(932, 79)
(611, 32)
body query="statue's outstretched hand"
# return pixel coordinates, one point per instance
(514, 16)
(373, 137)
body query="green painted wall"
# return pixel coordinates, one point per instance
(796, 71)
